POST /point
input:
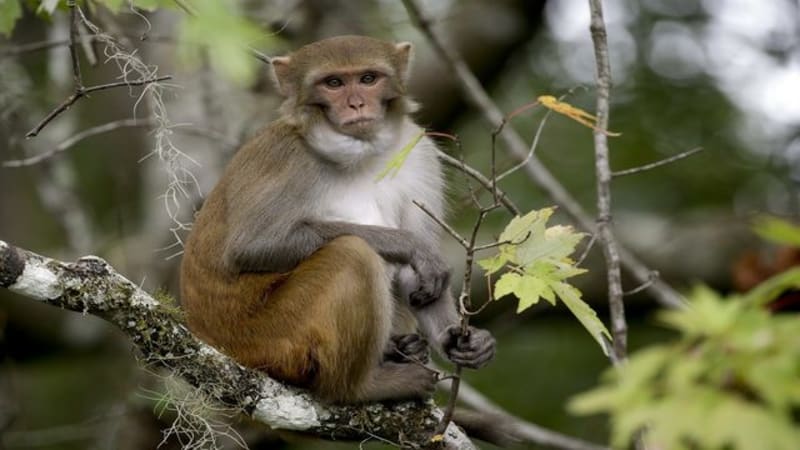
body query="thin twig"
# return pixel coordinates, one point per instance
(450, 230)
(464, 305)
(477, 96)
(619, 327)
(74, 23)
(653, 277)
(480, 178)
(659, 163)
(69, 142)
(82, 92)
(586, 250)
(532, 150)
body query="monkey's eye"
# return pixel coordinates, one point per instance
(333, 82)
(368, 78)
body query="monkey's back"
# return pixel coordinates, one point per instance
(216, 297)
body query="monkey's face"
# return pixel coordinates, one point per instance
(354, 102)
(355, 83)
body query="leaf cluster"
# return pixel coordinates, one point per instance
(731, 381)
(538, 261)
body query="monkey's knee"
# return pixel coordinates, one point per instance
(352, 250)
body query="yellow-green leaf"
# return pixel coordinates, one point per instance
(10, 11)
(777, 230)
(397, 161)
(47, 7)
(583, 312)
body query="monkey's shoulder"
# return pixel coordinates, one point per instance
(274, 150)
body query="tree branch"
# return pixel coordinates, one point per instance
(82, 92)
(537, 172)
(92, 286)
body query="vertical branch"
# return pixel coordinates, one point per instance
(603, 171)
(464, 306)
(74, 37)
(516, 146)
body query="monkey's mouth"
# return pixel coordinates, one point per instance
(358, 121)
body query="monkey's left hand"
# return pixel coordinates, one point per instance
(473, 349)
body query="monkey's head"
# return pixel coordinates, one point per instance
(355, 83)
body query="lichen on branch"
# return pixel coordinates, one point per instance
(91, 286)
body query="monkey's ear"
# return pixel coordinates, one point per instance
(403, 52)
(281, 70)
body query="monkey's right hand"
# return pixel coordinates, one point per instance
(433, 275)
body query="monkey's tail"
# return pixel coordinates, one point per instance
(492, 428)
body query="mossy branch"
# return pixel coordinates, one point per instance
(91, 286)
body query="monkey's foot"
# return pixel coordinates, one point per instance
(407, 348)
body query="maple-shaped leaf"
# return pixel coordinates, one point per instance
(584, 313)
(539, 257)
(527, 289)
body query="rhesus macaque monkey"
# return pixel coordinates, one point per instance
(303, 264)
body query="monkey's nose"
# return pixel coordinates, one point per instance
(356, 103)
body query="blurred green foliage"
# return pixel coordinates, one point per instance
(731, 381)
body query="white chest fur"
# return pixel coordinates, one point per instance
(356, 195)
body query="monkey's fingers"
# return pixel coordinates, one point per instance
(421, 298)
(471, 360)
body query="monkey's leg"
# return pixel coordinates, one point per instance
(407, 348)
(325, 327)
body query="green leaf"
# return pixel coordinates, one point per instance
(770, 289)
(556, 243)
(397, 161)
(10, 11)
(507, 284)
(584, 313)
(729, 381)
(494, 263)
(218, 28)
(540, 256)
(526, 288)
(777, 230)
(602, 399)
(47, 7)
(520, 229)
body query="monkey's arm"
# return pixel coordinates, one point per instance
(276, 251)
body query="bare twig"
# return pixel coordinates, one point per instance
(478, 97)
(464, 306)
(532, 150)
(33, 47)
(480, 178)
(72, 140)
(74, 23)
(82, 92)
(656, 164)
(586, 250)
(450, 230)
(653, 277)
(619, 327)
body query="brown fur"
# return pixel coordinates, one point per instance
(272, 276)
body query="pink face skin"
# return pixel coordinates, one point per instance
(353, 101)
